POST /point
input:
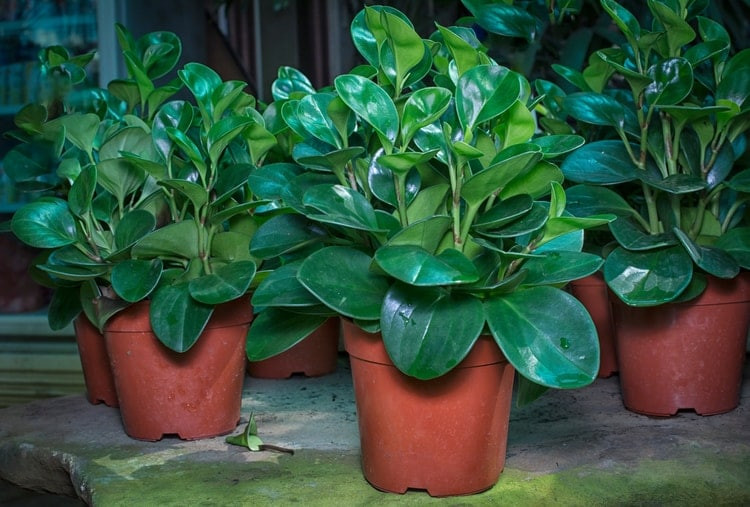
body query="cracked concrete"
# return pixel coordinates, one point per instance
(577, 447)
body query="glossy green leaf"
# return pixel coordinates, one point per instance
(601, 109)
(231, 246)
(464, 55)
(485, 92)
(224, 132)
(268, 181)
(132, 227)
(506, 19)
(201, 80)
(559, 226)
(672, 81)
(481, 185)
(648, 278)
(427, 233)
(404, 43)
(81, 129)
(134, 279)
(624, 19)
(560, 267)
(225, 284)
(367, 32)
(504, 212)
(190, 149)
(403, 162)
(282, 288)
(675, 183)
(64, 306)
(282, 234)
(529, 222)
(341, 205)
(633, 237)
(274, 331)
(290, 81)
(340, 277)
(120, 177)
(417, 266)
(677, 30)
(736, 242)
(178, 239)
(427, 332)
(585, 200)
(82, 191)
(555, 145)
(176, 318)
(312, 113)
(197, 194)
(45, 223)
(428, 202)
(335, 161)
(600, 162)
(735, 82)
(422, 107)
(713, 261)
(535, 182)
(371, 103)
(553, 352)
(382, 181)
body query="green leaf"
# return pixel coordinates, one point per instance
(134, 279)
(82, 192)
(506, 19)
(132, 227)
(120, 177)
(555, 145)
(176, 318)
(178, 239)
(81, 129)
(197, 194)
(485, 92)
(341, 205)
(713, 261)
(403, 162)
(648, 278)
(736, 242)
(633, 237)
(504, 212)
(481, 185)
(734, 85)
(464, 55)
(600, 109)
(585, 200)
(283, 234)
(224, 132)
(268, 181)
(45, 223)
(274, 331)
(422, 107)
(426, 233)
(677, 30)
(427, 332)
(404, 43)
(535, 181)
(417, 266)
(312, 113)
(371, 103)
(600, 163)
(226, 283)
(560, 267)
(367, 31)
(547, 335)
(282, 288)
(63, 308)
(625, 21)
(340, 277)
(672, 81)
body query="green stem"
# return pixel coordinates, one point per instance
(731, 212)
(653, 216)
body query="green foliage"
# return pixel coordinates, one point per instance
(417, 199)
(669, 147)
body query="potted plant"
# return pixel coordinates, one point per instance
(667, 114)
(173, 260)
(425, 213)
(71, 218)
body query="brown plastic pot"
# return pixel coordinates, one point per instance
(446, 435)
(593, 293)
(314, 356)
(195, 394)
(685, 355)
(97, 373)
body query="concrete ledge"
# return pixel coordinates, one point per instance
(569, 448)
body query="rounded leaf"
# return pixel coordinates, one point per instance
(45, 223)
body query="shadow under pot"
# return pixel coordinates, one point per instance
(195, 394)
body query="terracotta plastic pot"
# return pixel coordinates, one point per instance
(195, 394)
(97, 373)
(447, 435)
(687, 355)
(314, 356)
(593, 293)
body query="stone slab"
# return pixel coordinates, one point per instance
(577, 447)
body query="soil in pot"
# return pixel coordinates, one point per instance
(97, 373)
(314, 356)
(447, 436)
(685, 355)
(195, 394)
(593, 292)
